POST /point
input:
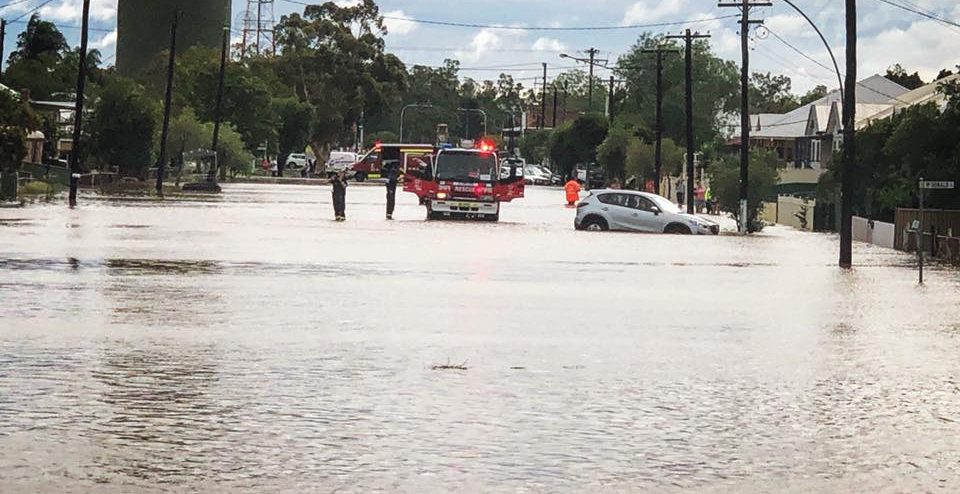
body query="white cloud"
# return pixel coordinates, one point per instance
(72, 10)
(938, 44)
(653, 10)
(107, 41)
(482, 43)
(788, 25)
(548, 44)
(396, 25)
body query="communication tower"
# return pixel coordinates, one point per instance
(258, 27)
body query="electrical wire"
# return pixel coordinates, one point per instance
(35, 9)
(923, 13)
(537, 28)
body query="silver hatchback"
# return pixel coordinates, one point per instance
(634, 211)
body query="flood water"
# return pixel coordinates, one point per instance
(249, 343)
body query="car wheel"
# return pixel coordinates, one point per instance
(360, 176)
(594, 224)
(677, 229)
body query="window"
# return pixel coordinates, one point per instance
(642, 203)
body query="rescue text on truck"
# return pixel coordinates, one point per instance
(465, 183)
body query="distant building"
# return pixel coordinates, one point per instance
(143, 28)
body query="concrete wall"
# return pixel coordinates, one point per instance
(874, 232)
(791, 209)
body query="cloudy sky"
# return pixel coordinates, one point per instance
(888, 35)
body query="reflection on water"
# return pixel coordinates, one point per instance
(251, 344)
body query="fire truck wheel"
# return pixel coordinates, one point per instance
(360, 176)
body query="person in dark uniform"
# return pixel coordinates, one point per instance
(339, 184)
(392, 173)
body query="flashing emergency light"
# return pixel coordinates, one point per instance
(478, 190)
(486, 146)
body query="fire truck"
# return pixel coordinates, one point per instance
(409, 156)
(465, 183)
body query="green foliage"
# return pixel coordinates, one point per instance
(612, 152)
(40, 38)
(233, 152)
(899, 75)
(16, 120)
(813, 95)
(534, 145)
(122, 127)
(641, 158)
(725, 183)
(893, 153)
(771, 94)
(577, 142)
(334, 58)
(384, 136)
(716, 89)
(295, 120)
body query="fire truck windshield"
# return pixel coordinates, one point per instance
(466, 166)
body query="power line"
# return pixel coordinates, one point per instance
(923, 13)
(536, 28)
(30, 12)
(794, 48)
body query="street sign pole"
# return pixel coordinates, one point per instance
(924, 185)
(920, 232)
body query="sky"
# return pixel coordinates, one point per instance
(888, 35)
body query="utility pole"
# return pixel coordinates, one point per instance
(610, 100)
(849, 141)
(167, 100)
(215, 168)
(543, 99)
(74, 170)
(3, 35)
(658, 150)
(554, 105)
(592, 61)
(688, 38)
(745, 22)
(593, 53)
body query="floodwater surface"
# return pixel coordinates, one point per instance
(250, 343)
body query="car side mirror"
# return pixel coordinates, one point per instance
(655, 210)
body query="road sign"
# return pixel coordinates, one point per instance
(929, 184)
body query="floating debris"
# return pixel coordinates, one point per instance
(449, 366)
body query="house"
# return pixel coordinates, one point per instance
(59, 114)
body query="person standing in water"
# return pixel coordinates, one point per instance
(572, 188)
(339, 184)
(392, 174)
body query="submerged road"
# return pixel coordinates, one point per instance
(250, 343)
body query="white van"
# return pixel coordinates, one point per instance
(340, 160)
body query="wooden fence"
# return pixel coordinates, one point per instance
(941, 230)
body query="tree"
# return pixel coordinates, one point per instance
(943, 73)
(122, 127)
(233, 153)
(576, 142)
(813, 95)
(534, 145)
(641, 159)
(381, 136)
(16, 121)
(334, 57)
(44, 64)
(725, 183)
(294, 132)
(716, 89)
(899, 75)
(40, 39)
(771, 94)
(612, 152)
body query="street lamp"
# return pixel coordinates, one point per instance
(404, 109)
(836, 67)
(481, 112)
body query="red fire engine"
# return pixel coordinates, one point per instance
(465, 183)
(409, 156)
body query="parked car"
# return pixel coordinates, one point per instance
(340, 161)
(635, 211)
(597, 179)
(297, 160)
(534, 175)
(555, 179)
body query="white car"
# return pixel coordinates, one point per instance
(634, 211)
(297, 160)
(534, 175)
(341, 160)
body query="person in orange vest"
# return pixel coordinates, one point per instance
(572, 188)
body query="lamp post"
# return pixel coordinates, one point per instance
(404, 110)
(481, 112)
(592, 61)
(836, 67)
